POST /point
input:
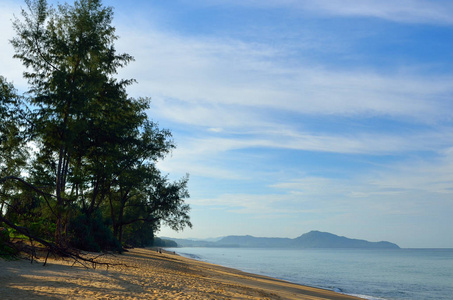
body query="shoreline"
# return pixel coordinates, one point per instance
(146, 274)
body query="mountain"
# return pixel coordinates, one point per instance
(317, 239)
(312, 239)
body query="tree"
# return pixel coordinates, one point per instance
(70, 60)
(97, 147)
(145, 207)
(13, 152)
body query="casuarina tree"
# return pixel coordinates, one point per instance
(90, 137)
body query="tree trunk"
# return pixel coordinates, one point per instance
(60, 237)
(120, 223)
(112, 216)
(120, 234)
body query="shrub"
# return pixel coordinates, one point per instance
(90, 233)
(158, 242)
(6, 248)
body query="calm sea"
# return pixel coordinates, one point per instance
(415, 274)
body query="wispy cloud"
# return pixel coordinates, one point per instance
(238, 100)
(411, 11)
(209, 79)
(407, 11)
(432, 176)
(397, 188)
(206, 154)
(233, 94)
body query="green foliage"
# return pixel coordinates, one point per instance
(158, 242)
(4, 235)
(91, 233)
(71, 60)
(6, 249)
(14, 235)
(28, 210)
(93, 183)
(139, 234)
(13, 152)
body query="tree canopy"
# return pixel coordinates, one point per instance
(90, 179)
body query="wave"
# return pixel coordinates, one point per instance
(190, 255)
(367, 297)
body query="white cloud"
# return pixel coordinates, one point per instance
(411, 11)
(210, 82)
(226, 91)
(430, 176)
(205, 155)
(259, 205)
(405, 189)
(410, 187)
(407, 11)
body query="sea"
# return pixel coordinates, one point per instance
(397, 274)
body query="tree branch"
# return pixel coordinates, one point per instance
(32, 187)
(54, 249)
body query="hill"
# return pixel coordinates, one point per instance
(317, 239)
(312, 239)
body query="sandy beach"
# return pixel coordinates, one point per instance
(144, 274)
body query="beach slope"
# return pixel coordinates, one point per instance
(145, 274)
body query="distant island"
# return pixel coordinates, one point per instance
(312, 239)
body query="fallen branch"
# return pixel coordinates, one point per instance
(58, 251)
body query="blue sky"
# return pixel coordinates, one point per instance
(293, 116)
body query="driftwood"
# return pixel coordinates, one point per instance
(53, 249)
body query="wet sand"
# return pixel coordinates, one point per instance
(145, 274)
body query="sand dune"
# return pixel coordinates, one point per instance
(145, 274)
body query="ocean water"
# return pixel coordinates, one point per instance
(415, 274)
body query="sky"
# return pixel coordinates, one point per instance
(296, 115)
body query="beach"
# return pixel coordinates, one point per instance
(144, 274)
